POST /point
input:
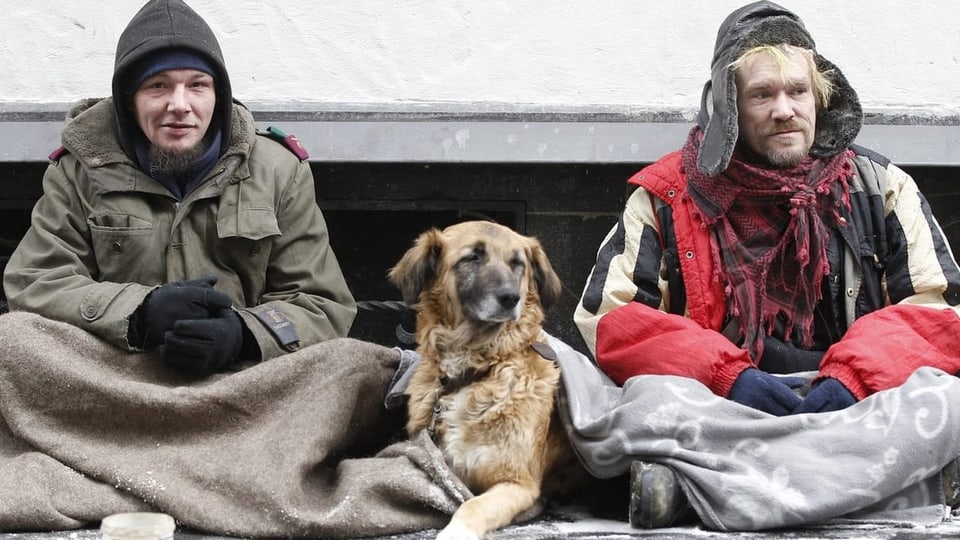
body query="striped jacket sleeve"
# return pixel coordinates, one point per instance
(921, 326)
(623, 312)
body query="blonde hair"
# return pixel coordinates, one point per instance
(820, 80)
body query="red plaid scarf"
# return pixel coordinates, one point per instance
(768, 236)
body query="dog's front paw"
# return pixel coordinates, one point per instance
(457, 531)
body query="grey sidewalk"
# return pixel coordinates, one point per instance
(569, 523)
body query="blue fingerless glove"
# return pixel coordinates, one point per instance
(827, 394)
(762, 391)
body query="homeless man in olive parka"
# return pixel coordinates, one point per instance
(127, 256)
(662, 298)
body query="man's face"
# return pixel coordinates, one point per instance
(173, 109)
(777, 107)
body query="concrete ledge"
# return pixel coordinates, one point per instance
(496, 133)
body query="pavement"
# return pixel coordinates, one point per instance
(574, 523)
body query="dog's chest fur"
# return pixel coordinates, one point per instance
(502, 412)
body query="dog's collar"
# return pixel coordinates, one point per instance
(449, 385)
(470, 375)
(544, 350)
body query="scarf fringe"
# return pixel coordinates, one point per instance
(769, 237)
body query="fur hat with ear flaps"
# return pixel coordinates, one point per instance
(766, 23)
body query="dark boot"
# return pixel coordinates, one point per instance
(656, 498)
(950, 479)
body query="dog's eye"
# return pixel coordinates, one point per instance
(517, 263)
(475, 256)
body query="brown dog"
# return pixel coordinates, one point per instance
(482, 390)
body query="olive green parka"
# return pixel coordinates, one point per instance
(104, 234)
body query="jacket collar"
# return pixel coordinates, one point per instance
(664, 178)
(91, 136)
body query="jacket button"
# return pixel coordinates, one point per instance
(672, 193)
(850, 291)
(90, 311)
(689, 254)
(116, 246)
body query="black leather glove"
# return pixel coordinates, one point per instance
(827, 394)
(760, 390)
(780, 357)
(204, 345)
(171, 302)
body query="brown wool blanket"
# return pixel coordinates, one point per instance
(285, 448)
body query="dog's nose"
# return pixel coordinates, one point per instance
(508, 300)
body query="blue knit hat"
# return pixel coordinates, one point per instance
(166, 60)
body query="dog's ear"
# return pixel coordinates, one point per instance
(418, 266)
(546, 280)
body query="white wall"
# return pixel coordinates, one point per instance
(640, 53)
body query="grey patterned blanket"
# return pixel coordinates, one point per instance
(745, 470)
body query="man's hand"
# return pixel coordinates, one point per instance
(760, 390)
(827, 394)
(204, 345)
(171, 302)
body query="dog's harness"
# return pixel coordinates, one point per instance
(450, 385)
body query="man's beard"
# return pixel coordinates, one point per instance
(785, 159)
(790, 156)
(174, 162)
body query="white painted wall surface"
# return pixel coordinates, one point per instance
(639, 53)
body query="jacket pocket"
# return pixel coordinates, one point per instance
(125, 248)
(245, 245)
(249, 223)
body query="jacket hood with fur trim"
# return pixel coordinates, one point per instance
(766, 23)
